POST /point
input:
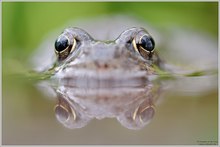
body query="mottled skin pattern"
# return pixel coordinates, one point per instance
(105, 79)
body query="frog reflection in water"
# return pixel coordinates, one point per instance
(96, 79)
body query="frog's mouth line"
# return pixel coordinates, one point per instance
(102, 79)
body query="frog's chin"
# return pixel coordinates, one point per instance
(102, 79)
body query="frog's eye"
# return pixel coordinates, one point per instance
(144, 45)
(63, 46)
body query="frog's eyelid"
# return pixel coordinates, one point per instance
(78, 34)
(128, 35)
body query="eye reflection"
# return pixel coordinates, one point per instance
(134, 109)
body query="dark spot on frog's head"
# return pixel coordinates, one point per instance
(105, 65)
(101, 65)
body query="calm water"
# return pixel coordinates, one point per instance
(29, 118)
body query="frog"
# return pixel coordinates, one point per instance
(94, 78)
(100, 68)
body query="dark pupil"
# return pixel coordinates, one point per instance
(61, 44)
(147, 43)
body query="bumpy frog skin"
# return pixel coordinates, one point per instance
(96, 79)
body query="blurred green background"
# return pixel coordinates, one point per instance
(26, 23)
(28, 118)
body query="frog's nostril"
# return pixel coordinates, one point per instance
(105, 65)
(101, 65)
